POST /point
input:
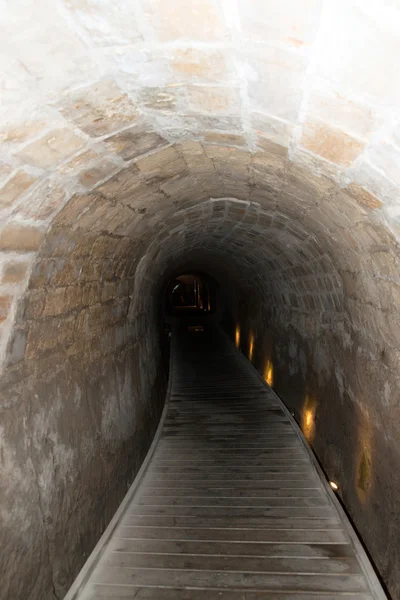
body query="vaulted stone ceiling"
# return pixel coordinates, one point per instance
(91, 87)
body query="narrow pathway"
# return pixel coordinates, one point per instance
(231, 506)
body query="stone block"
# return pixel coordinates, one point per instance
(179, 187)
(157, 98)
(99, 109)
(386, 157)
(97, 172)
(287, 22)
(107, 24)
(226, 139)
(5, 306)
(14, 272)
(275, 81)
(17, 134)
(134, 142)
(16, 347)
(55, 302)
(214, 100)
(51, 149)
(73, 298)
(356, 52)
(198, 20)
(196, 64)
(331, 143)
(17, 237)
(35, 304)
(277, 130)
(15, 187)
(78, 162)
(359, 119)
(76, 206)
(162, 164)
(96, 216)
(43, 201)
(363, 197)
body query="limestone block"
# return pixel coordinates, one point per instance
(97, 172)
(179, 188)
(288, 22)
(97, 215)
(134, 142)
(357, 50)
(55, 302)
(277, 130)
(196, 64)
(5, 306)
(75, 164)
(107, 24)
(198, 20)
(354, 117)
(43, 202)
(158, 98)
(91, 293)
(226, 139)
(76, 206)
(51, 149)
(5, 171)
(214, 100)
(73, 297)
(17, 134)
(162, 164)
(15, 187)
(363, 197)
(122, 221)
(275, 81)
(18, 237)
(385, 156)
(44, 60)
(331, 143)
(14, 272)
(99, 109)
(202, 122)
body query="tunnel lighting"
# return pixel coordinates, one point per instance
(308, 418)
(334, 486)
(269, 373)
(237, 336)
(251, 346)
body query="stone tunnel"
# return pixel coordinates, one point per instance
(255, 141)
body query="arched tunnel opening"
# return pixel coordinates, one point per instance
(229, 166)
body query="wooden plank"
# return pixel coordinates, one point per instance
(240, 548)
(234, 513)
(228, 502)
(260, 535)
(120, 592)
(234, 580)
(230, 492)
(237, 564)
(226, 522)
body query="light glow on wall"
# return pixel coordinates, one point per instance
(269, 372)
(308, 418)
(237, 336)
(251, 346)
(364, 458)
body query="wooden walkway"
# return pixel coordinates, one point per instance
(231, 506)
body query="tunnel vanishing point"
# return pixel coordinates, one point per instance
(253, 142)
